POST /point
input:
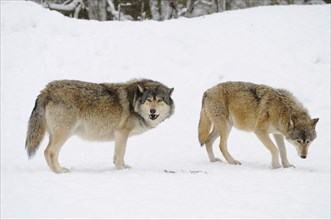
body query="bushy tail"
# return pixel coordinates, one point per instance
(36, 127)
(204, 125)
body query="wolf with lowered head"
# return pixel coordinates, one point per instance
(97, 112)
(259, 109)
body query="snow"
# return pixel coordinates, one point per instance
(281, 46)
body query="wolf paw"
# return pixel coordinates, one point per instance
(215, 160)
(122, 167)
(65, 170)
(276, 166)
(62, 170)
(127, 166)
(288, 165)
(234, 162)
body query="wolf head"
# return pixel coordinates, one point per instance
(154, 103)
(301, 133)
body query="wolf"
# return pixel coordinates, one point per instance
(255, 108)
(96, 112)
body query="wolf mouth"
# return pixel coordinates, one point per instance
(153, 116)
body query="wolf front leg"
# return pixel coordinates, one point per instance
(121, 138)
(265, 139)
(282, 150)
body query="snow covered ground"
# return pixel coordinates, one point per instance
(285, 46)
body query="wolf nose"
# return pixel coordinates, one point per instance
(303, 157)
(152, 110)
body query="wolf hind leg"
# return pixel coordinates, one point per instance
(282, 150)
(209, 146)
(224, 127)
(56, 140)
(218, 113)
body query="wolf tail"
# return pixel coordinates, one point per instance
(36, 126)
(204, 123)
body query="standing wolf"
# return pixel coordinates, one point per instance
(259, 109)
(101, 112)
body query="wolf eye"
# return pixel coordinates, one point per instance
(299, 141)
(160, 100)
(149, 100)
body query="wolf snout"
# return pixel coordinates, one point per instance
(153, 116)
(303, 156)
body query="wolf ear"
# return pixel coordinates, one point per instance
(293, 119)
(141, 89)
(170, 91)
(314, 122)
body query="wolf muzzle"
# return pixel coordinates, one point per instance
(153, 116)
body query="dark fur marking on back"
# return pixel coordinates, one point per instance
(106, 91)
(254, 94)
(112, 94)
